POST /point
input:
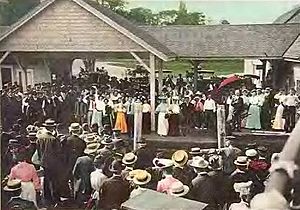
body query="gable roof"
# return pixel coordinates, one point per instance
(119, 23)
(3, 29)
(292, 16)
(227, 41)
(294, 50)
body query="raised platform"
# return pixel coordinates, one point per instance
(272, 140)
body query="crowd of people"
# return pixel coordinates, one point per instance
(88, 169)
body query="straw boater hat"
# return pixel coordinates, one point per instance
(50, 123)
(141, 177)
(195, 151)
(132, 173)
(75, 127)
(13, 185)
(91, 148)
(199, 162)
(32, 137)
(178, 189)
(90, 138)
(161, 163)
(251, 153)
(180, 157)
(129, 158)
(241, 161)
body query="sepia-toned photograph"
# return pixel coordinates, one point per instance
(150, 104)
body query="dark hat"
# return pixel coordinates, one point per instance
(49, 123)
(116, 166)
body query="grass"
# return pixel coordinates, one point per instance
(221, 67)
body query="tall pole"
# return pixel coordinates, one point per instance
(152, 90)
(221, 130)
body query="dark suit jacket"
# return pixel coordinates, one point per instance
(75, 147)
(19, 203)
(114, 192)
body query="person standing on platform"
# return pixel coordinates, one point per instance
(238, 108)
(174, 110)
(138, 120)
(279, 122)
(129, 104)
(253, 119)
(91, 107)
(121, 118)
(291, 101)
(163, 123)
(146, 117)
(210, 112)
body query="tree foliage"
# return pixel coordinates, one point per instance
(13, 10)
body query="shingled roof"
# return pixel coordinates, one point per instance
(3, 29)
(123, 25)
(227, 41)
(292, 16)
(294, 50)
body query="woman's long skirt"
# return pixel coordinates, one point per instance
(121, 122)
(279, 122)
(146, 123)
(174, 125)
(97, 118)
(253, 119)
(163, 125)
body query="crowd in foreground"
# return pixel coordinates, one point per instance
(92, 170)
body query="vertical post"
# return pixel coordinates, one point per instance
(152, 90)
(160, 75)
(195, 68)
(0, 78)
(221, 130)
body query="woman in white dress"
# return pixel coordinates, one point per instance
(163, 123)
(278, 123)
(253, 119)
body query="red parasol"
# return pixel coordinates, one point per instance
(228, 81)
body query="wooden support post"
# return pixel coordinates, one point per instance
(160, 75)
(4, 56)
(221, 129)
(24, 69)
(152, 90)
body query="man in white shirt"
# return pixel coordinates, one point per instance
(97, 176)
(209, 111)
(290, 102)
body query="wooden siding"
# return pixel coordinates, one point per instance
(66, 27)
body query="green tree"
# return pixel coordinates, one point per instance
(188, 18)
(141, 15)
(115, 5)
(224, 22)
(166, 17)
(13, 10)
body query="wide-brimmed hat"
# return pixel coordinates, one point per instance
(91, 148)
(141, 177)
(13, 185)
(241, 161)
(129, 158)
(162, 163)
(14, 142)
(75, 127)
(132, 173)
(199, 162)
(251, 153)
(195, 151)
(32, 137)
(242, 187)
(180, 157)
(90, 138)
(107, 140)
(50, 123)
(116, 166)
(178, 189)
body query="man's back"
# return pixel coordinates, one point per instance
(114, 192)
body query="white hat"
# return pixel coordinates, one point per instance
(241, 161)
(195, 151)
(178, 189)
(129, 158)
(162, 163)
(251, 153)
(199, 162)
(243, 187)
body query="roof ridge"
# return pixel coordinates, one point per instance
(222, 25)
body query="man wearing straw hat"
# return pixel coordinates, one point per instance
(115, 190)
(14, 189)
(140, 179)
(81, 172)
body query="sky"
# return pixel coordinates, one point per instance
(235, 11)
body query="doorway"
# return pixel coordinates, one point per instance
(6, 74)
